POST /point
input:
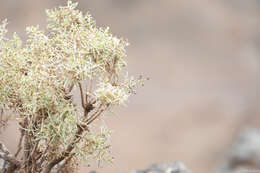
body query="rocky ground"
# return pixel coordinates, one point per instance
(175, 167)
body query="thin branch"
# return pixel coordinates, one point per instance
(80, 129)
(5, 155)
(82, 96)
(19, 147)
(63, 165)
(3, 121)
(95, 117)
(70, 89)
(97, 110)
(33, 155)
(42, 157)
(27, 144)
(86, 94)
(89, 107)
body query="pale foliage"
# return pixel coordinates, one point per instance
(37, 77)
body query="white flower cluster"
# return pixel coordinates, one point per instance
(109, 94)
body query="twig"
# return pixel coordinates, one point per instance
(86, 94)
(62, 166)
(81, 128)
(91, 119)
(86, 106)
(33, 156)
(70, 89)
(5, 155)
(82, 96)
(89, 107)
(27, 146)
(98, 112)
(19, 147)
(42, 157)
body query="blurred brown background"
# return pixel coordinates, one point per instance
(203, 59)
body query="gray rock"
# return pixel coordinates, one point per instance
(93, 172)
(244, 153)
(175, 167)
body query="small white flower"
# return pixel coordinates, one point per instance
(109, 94)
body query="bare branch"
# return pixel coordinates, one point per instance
(80, 129)
(69, 89)
(19, 147)
(5, 155)
(82, 96)
(91, 119)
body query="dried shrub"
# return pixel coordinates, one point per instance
(36, 82)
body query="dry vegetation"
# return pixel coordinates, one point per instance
(36, 82)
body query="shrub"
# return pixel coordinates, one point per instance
(36, 83)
